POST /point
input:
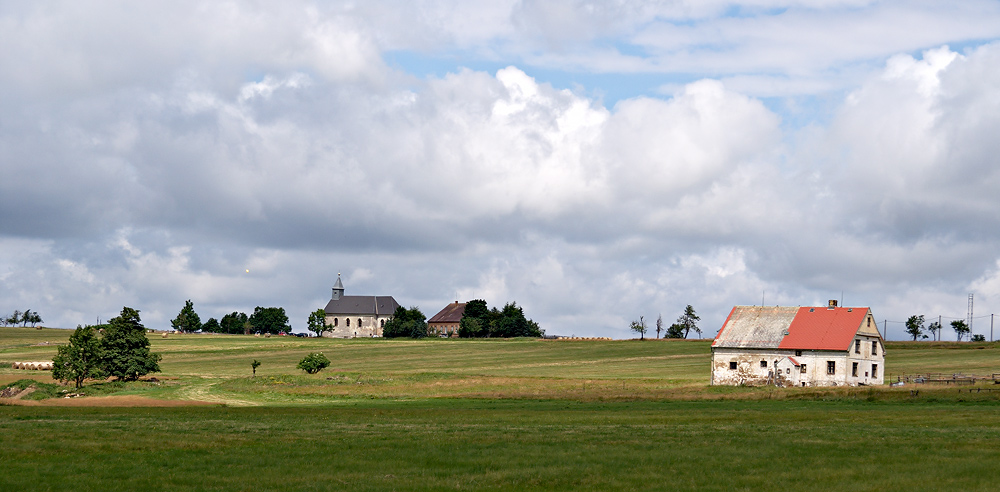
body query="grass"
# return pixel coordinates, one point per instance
(506, 445)
(495, 414)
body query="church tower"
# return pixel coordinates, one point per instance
(338, 289)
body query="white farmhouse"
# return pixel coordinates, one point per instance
(799, 346)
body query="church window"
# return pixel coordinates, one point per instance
(348, 321)
(359, 322)
(336, 321)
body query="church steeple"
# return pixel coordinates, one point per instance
(338, 289)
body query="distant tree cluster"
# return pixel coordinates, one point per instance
(28, 316)
(272, 320)
(915, 328)
(406, 323)
(685, 324)
(479, 321)
(122, 351)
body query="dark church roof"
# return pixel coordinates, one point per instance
(380, 305)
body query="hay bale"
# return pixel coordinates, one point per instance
(165, 335)
(256, 335)
(15, 365)
(267, 335)
(46, 366)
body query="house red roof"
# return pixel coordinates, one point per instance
(816, 328)
(791, 328)
(451, 313)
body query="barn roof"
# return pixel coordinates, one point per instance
(451, 313)
(795, 328)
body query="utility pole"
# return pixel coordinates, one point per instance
(991, 327)
(939, 328)
(885, 328)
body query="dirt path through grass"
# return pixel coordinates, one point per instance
(204, 390)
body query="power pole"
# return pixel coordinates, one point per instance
(885, 328)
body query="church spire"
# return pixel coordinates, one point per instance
(338, 289)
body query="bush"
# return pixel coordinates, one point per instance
(314, 362)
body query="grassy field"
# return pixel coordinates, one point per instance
(495, 414)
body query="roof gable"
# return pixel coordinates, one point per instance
(755, 326)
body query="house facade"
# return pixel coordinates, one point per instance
(445, 323)
(799, 346)
(357, 316)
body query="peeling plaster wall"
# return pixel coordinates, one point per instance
(781, 371)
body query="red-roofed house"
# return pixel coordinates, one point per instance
(445, 323)
(798, 346)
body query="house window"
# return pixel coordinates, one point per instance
(732, 365)
(831, 367)
(869, 321)
(857, 346)
(854, 369)
(802, 368)
(798, 353)
(788, 371)
(874, 370)
(874, 347)
(763, 363)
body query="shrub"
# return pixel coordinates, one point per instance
(314, 362)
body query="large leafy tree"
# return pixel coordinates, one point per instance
(689, 320)
(317, 322)
(211, 326)
(961, 328)
(270, 320)
(81, 359)
(915, 326)
(125, 348)
(406, 323)
(187, 320)
(234, 323)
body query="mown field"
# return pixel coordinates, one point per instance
(494, 414)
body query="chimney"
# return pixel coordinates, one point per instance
(832, 304)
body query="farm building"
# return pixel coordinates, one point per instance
(445, 323)
(357, 316)
(798, 346)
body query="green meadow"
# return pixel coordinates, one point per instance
(491, 414)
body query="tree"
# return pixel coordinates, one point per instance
(81, 359)
(254, 365)
(639, 327)
(406, 323)
(34, 318)
(915, 326)
(685, 323)
(125, 348)
(14, 318)
(675, 330)
(234, 323)
(313, 363)
(317, 322)
(211, 326)
(270, 320)
(480, 321)
(978, 338)
(659, 325)
(961, 329)
(187, 320)
(935, 329)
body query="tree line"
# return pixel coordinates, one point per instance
(915, 328)
(28, 316)
(478, 321)
(685, 324)
(271, 320)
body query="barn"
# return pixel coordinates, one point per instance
(798, 346)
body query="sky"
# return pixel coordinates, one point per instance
(593, 162)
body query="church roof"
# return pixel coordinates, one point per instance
(795, 328)
(350, 305)
(339, 284)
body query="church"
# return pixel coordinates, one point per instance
(357, 316)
